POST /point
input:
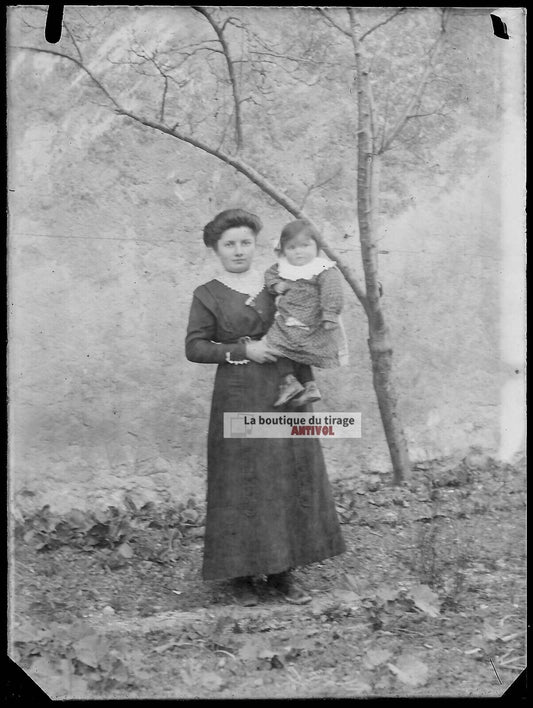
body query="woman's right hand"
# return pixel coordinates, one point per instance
(260, 352)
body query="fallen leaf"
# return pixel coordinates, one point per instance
(125, 550)
(190, 516)
(163, 647)
(275, 662)
(426, 600)
(352, 582)
(54, 682)
(254, 648)
(357, 686)
(480, 642)
(211, 681)
(42, 666)
(410, 670)
(489, 632)
(347, 596)
(78, 518)
(91, 649)
(27, 632)
(387, 594)
(195, 532)
(375, 657)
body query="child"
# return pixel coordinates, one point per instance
(307, 327)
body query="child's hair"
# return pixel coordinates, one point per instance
(293, 229)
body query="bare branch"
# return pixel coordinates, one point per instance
(380, 24)
(425, 115)
(224, 130)
(72, 39)
(234, 161)
(163, 99)
(79, 64)
(332, 22)
(298, 59)
(265, 185)
(384, 116)
(419, 90)
(318, 185)
(231, 71)
(232, 21)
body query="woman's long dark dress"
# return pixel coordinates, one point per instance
(269, 502)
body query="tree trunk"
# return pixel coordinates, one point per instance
(379, 338)
(380, 348)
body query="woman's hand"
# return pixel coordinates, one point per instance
(260, 352)
(281, 287)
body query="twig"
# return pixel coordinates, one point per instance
(508, 662)
(298, 59)
(78, 50)
(380, 24)
(317, 185)
(231, 71)
(79, 64)
(410, 631)
(223, 651)
(512, 636)
(254, 175)
(332, 23)
(417, 93)
(297, 678)
(163, 99)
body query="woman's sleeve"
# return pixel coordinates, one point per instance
(201, 331)
(331, 296)
(272, 278)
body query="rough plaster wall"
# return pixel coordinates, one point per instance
(104, 252)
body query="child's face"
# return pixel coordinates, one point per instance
(300, 250)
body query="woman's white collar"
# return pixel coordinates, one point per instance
(250, 282)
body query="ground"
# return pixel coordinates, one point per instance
(428, 600)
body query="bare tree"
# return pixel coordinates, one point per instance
(370, 147)
(369, 153)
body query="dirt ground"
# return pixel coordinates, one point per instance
(428, 600)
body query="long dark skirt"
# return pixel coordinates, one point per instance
(269, 502)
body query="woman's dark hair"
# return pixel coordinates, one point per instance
(230, 219)
(293, 229)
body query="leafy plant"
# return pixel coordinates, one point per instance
(112, 528)
(70, 660)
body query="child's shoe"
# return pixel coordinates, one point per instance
(289, 388)
(308, 395)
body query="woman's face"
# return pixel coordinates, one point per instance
(235, 248)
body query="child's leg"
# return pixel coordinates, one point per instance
(303, 372)
(289, 386)
(310, 392)
(286, 366)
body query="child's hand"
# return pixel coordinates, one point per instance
(281, 287)
(329, 325)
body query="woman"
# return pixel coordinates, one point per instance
(269, 503)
